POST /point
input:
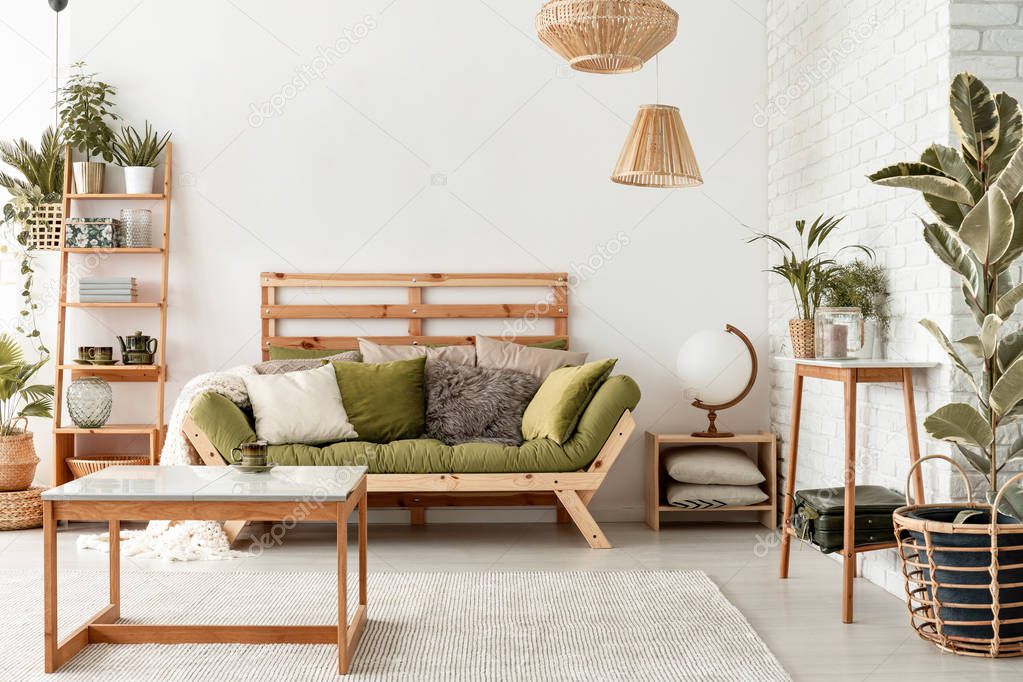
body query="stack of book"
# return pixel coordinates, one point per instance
(107, 290)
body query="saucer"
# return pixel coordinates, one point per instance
(103, 362)
(82, 361)
(253, 469)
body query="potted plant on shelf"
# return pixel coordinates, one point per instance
(36, 196)
(865, 286)
(808, 273)
(954, 557)
(137, 154)
(85, 105)
(18, 401)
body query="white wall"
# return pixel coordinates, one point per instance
(445, 137)
(854, 86)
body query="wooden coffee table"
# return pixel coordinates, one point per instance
(147, 493)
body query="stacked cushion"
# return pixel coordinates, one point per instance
(384, 401)
(555, 410)
(284, 366)
(709, 476)
(539, 362)
(466, 404)
(376, 352)
(299, 407)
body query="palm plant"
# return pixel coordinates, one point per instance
(42, 168)
(809, 270)
(133, 149)
(18, 398)
(975, 195)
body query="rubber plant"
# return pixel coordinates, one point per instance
(977, 231)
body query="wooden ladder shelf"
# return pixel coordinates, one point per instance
(64, 435)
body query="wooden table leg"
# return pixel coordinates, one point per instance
(115, 567)
(848, 549)
(343, 658)
(914, 439)
(363, 547)
(49, 588)
(790, 479)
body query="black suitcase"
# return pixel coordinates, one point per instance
(819, 516)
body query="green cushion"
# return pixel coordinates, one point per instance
(282, 353)
(556, 344)
(385, 401)
(227, 426)
(555, 409)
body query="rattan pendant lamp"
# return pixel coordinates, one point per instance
(606, 36)
(657, 152)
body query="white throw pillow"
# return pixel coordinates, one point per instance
(378, 352)
(693, 496)
(299, 407)
(715, 464)
(536, 361)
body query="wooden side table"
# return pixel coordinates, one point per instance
(766, 456)
(851, 373)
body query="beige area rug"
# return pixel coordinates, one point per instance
(628, 625)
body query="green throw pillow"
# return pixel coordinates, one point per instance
(555, 409)
(556, 344)
(385, 401)
(283, 353)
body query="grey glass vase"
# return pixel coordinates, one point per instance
(89, 401)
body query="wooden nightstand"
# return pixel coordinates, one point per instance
(765, 454)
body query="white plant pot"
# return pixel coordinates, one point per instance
(138, 179)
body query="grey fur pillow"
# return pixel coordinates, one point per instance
(476, 404)
(300, 364)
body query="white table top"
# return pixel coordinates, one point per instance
(858, 363)
(210, 484)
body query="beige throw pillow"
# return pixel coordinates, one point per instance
(715, 464)
(693, 496)
(299, 407)
(456, 355)
(539, 362)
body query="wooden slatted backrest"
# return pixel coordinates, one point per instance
(417, 310)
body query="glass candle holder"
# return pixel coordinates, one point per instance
(838, 332)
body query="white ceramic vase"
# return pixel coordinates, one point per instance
(88, 176)
(138, 179)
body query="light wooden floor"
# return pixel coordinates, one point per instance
(798, 618)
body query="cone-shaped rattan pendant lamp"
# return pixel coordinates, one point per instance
(657, 152)
(606, 36)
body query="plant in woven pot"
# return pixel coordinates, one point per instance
(977, 231)
(137, 153)
(808, 272)
(84, 107)
(19, 400)
(35, 206)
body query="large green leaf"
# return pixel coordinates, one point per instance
(950, 162)
(949, 349)
(923, 178)
(1013, 501)
(989, 334)
(1010, 133)
(1008, 390)
(987, 229)
(10, 351)
(1009, 348)
(959, 423)
(978, 460)
(947, 246)
(975, 116)
(1007, 302)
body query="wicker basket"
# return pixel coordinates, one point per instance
(801, 333)
(17, 460)
(44, 226)
(964, 581)
(90, 464)
(21, 509)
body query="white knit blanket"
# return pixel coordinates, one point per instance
(184, 540)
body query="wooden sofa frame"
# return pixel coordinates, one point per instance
(569, 492)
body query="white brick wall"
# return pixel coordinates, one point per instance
(852, 86)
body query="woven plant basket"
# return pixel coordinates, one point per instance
(17, 460)
(44, 226)
(801, 333)
(21, 509)
(964, 581)
(83, 466)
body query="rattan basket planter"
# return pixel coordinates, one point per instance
(90, 464)
(44, 226)
(964, 581)
(21, 509)
(801, 334)
(17, 461)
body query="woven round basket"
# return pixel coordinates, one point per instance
(21, 509)
(964, 581)
(801, 334)
(90, 464)
(17, 460)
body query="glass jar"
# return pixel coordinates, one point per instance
(138, 227)
(89, 401)
(837, 332)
